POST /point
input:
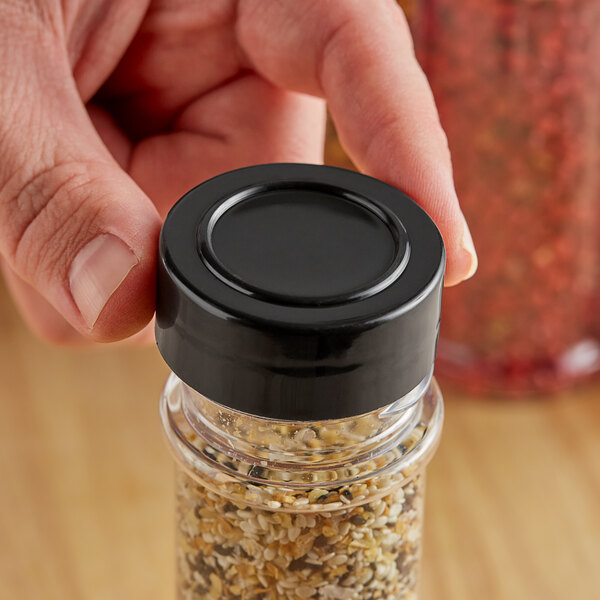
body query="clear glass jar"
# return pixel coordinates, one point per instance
(276, 509)
(517, 85)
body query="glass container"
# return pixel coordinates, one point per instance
(298, 309)
(277, 509)
(517, 87)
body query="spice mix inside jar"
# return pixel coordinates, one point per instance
(298, 308)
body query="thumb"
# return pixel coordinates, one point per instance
(73, 224)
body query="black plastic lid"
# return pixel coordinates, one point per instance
(299, 292)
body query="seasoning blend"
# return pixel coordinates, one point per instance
(298, 308)
(517, 87)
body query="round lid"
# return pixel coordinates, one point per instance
(299, 292)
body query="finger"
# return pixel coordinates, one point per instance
(111, 135)
(252, 115)
(48, 324)
(245, 122)
(359, 56)
(39, 315)
(73, 225)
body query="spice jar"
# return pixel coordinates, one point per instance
(298, 308)
(517, 87)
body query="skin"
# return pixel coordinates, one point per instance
(110, 111)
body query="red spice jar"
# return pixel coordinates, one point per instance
(517, 84)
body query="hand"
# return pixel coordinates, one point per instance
(110, 111)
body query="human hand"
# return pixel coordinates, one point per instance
(110, 111)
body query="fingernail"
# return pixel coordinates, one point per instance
(469, 248)
(97, 272)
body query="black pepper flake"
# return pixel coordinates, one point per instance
(209, 455)
(229, 507)
(220, 571)
(299, 564)
(320, 541)
(243, 553)
(322, 499)
(223, 551)
(401, 564)
(368, 508)
(357, 520)
(348, 494)
(200, 566)
(256, 471)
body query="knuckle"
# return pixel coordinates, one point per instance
(349, 29)
(46, 214)
(32, 32)
(333, 39)
(20, 15)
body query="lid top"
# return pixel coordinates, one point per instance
(340, 248)
(303, 245)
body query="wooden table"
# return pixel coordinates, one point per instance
(86, 511)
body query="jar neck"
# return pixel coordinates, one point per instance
(298, 444)
(236, 446)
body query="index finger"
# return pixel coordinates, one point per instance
(360, 57)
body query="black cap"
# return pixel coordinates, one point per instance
(299, 292)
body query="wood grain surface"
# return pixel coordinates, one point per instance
(86, 508)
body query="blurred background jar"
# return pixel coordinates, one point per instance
(517, 85)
